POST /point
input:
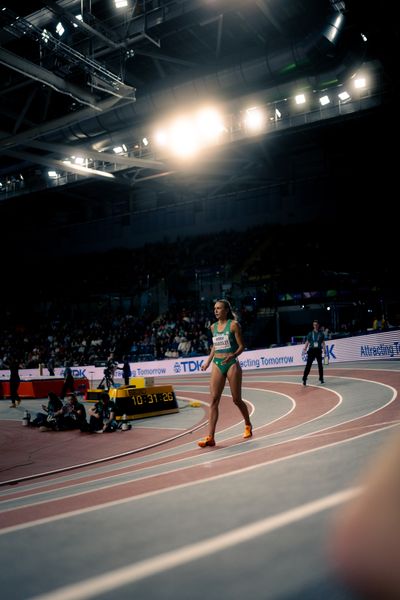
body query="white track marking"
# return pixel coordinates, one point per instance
(319, 432)
(79, 512)
(101, 584)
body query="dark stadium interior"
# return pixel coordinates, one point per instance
(300, 215)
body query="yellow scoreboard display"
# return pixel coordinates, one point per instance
(137, 403)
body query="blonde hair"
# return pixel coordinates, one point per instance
(227, 304)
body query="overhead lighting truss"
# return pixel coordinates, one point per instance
(20, 27)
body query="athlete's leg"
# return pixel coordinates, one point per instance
(235, 382)
(217, 385)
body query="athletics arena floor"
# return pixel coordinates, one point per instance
(146, 513)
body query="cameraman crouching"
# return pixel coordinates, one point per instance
(102, 415)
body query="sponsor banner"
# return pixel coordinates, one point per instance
(377, 346)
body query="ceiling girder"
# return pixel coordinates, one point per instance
(30, 69)
(104, 106)
(66, 150)
(59, 164)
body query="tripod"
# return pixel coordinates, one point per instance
(107, 379)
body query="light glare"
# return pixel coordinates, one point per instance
(300, 99)
(183, 138)
(208, 126)
(254, 119)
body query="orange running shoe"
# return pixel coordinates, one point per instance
(208, 441)
(248, 432)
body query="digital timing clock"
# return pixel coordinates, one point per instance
(137, 403)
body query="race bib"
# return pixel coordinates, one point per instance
(221, 341)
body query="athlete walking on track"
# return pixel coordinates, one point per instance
(227, 345)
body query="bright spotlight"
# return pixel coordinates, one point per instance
(121, 3)
(53, 174)
(300, 99)
(324, 100)
(344, 96)
(120, 149)
(160, 138)
(209, 125)
(183, 138)
(79, 18)
(60, 29)
(359, 83)
(45, 36)
(145, 141)
(254, 119)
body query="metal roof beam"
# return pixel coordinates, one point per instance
(127, 161)
(59, 164)
(97, 29)
(30, 69)
(103, 106)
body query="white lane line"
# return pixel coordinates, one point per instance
(182, 448)
(113, 503)
(100, 584)
(303, 436)
(201, 481)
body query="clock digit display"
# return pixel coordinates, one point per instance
(138, 403)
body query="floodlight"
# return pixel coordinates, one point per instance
(324, 100)
(344, 96)
(120, 149)
(182, 134)
(161, 138)
(45, 36)
(300, 99)
(359, 83)
(78, 18)
(254, 119)
(208, 125)
(121, 3)
(60, 29)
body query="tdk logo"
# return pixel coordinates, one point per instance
(190, 366)
(329, 351)
(75, 373)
